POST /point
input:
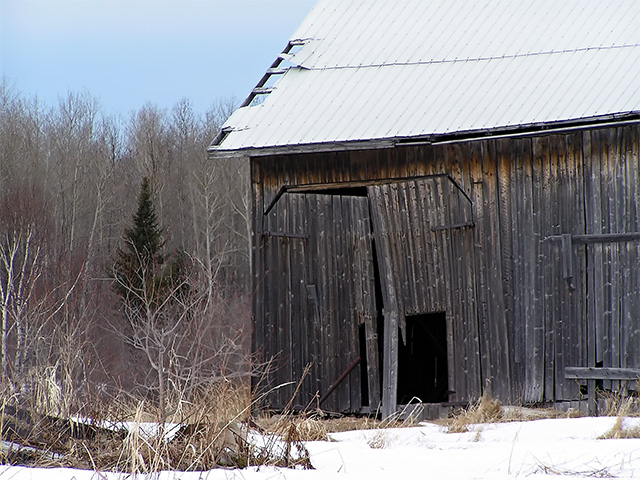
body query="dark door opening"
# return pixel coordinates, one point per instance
(423, 371)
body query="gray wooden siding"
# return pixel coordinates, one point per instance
(431, 264)
(313, 292)
(512, 317)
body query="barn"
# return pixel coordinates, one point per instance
(445, 198)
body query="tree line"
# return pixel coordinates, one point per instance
(70, 180)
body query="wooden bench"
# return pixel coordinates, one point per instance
(591, 374)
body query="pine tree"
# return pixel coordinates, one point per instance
(145, 237)
(140, 272)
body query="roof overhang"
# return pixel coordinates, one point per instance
(548, 128)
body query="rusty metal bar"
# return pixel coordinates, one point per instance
(335, 384)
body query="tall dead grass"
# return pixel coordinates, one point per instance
(210, 431)
(618, 404)
(485, 410)
(621, 429)
(405, 418)
(489, 410)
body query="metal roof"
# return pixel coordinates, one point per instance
(390, 70)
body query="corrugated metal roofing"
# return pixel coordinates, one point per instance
(388, 70)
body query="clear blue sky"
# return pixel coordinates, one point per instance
(128, 52)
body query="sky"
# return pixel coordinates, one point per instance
(126, 53)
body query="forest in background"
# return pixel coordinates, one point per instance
(69, 182)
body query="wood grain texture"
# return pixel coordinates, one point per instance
(471, 229)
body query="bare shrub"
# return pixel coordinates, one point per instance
(67, 180)
(191, 341)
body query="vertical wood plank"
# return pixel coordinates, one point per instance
(390, 347)
(257, 256)
(547, 284)
(517, 191)
(504, 152)
(534, 266)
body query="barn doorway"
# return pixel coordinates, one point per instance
(423, 370)
(342, 316)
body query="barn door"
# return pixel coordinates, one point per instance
(320, 307)
(613, 283)
(600, 283)
(424, 245)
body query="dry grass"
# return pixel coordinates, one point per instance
(489, 410)
(485, 410)
(316, 426)
(347, 424)
(617, 404)
(557, 471)
(383, 437)
(213, 433)
(308, 429)
(620, 430)
(221, 402)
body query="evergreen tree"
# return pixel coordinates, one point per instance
(140, 271)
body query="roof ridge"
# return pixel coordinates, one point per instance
(470, 59)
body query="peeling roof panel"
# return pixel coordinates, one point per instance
(381, 69)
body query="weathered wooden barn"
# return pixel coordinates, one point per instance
(446, 193)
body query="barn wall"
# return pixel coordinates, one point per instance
(513, 319)
(312, 310)
(612, 186)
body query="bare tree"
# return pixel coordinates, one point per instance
(68, 180)
(71, 135)
(19, 271)
(219, 193)
(185, 338)
(44, 339)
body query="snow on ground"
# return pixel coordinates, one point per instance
(541, 449)
(146, 430)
